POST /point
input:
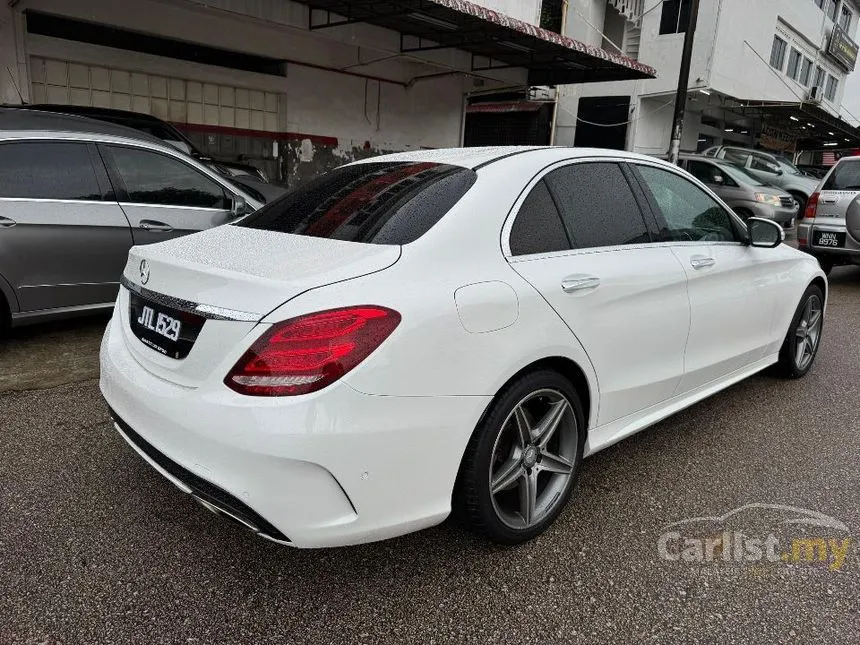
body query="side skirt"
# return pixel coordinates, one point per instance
(611, 433)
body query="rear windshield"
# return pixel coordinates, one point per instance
(846, 176)
(377, 203)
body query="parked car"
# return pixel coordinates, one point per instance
(157, 128)
(740, 189)
(830, 228)
(75, 194)
(329, 369)
(816, 172)
(770, 169)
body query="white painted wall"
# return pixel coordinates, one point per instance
(741, 69)
(729, 35)
(313, 101)
(11, 74)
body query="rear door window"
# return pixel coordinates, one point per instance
(48, 170)
(376, 203)
(538, 227)
(155, 178)
(845, 176)
(597, 205)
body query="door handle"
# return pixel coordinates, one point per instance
(700, 262)
(155, 226)
(579, 283)
(5, 222)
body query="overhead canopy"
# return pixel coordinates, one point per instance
(808, 124)
(496, 41)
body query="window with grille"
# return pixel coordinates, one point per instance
(777, 53)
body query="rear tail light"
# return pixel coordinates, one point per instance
(811, 207)
(307, 353)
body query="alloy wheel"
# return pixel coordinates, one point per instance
(808, 333)
(533, 458)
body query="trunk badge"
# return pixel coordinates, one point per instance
(144, 272)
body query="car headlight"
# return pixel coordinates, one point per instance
(767, 198)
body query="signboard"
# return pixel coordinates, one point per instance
(842, 48)
(777, 140)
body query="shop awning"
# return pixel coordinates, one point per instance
(496, 41)
(809, 125)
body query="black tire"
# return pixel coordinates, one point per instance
(801, 201)
(789, 365)
(5, 318)
(473, 501)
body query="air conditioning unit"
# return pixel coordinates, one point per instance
(815, 94)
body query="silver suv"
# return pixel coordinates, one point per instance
(830, 229)
(76, 194)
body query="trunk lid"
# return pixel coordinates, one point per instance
(205, 292)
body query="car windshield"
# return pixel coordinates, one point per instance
(376, 202)
(788, 167)
(741, 175)
(845, 176)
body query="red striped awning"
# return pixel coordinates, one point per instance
(496, 41)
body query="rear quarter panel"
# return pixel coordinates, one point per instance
(432, 353)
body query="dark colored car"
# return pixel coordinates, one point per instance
(76, 194)
(159, 129)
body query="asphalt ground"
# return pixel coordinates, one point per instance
(95, 547)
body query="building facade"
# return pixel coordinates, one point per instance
(294, 87)
(769, 74)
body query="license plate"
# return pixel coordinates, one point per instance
(834, 240)
(168, 331)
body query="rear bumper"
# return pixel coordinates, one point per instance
(333, 468)
(849, 253)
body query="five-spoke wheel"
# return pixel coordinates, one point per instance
(522, 461)
(804, 334)
(533, 458)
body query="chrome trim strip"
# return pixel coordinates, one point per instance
(90, 202)
(173, 207)
(206, 311)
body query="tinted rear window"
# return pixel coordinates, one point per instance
(597, 205)
(378, 203)
(846, 176)
(47, 170)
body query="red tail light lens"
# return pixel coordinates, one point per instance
(306, 354)
(811, 207)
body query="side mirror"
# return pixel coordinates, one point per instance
(240, 207)
(765, 233)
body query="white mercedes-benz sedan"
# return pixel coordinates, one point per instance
(443, 330)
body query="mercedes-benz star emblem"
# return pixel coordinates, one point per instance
(144, 272)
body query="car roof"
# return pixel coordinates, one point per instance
(19, 122)
(476, 158)
(85, 110)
